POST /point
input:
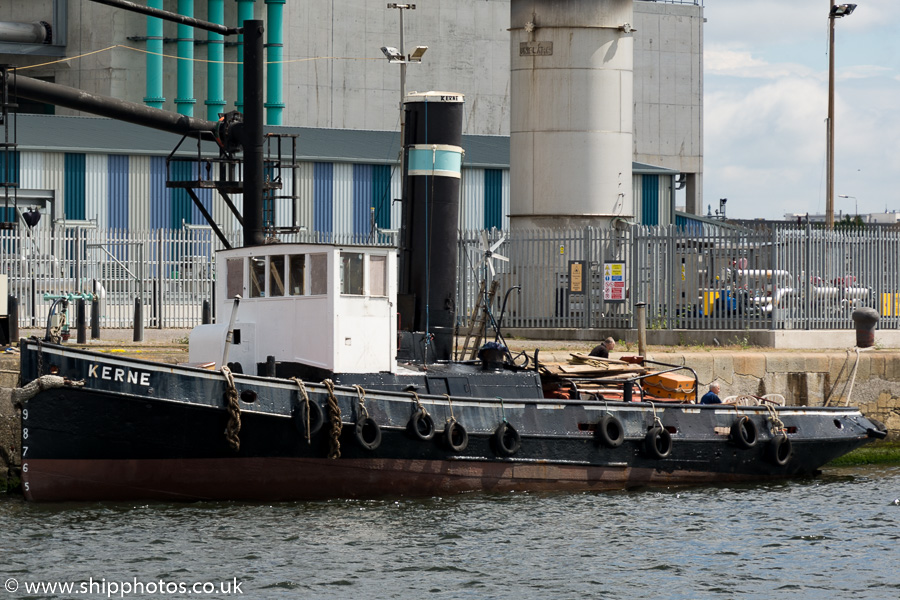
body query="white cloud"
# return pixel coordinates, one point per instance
(765, 105)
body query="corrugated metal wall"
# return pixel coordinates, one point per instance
(122, 191)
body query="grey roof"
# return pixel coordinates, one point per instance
(98, 134)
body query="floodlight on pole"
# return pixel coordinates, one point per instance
(837, 11)
(856, 202)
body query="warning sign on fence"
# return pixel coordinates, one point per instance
(614, 282)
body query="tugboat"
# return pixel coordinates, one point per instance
(330, 377)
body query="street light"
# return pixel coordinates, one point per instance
(854, 199)
(837, 11)
(398, 56)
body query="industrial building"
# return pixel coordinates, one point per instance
(329, 82)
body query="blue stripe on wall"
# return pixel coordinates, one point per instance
(362, 198)
(650, 199)
(493, 198)
(205, 196)
(74, 171)
(182, 204)
(117, 184)
(9, 174)
(323, 197)
(381, 195)
(160, 209)
(9, 167)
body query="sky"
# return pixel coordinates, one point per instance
(766, 101)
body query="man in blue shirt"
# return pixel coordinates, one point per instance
(712, 396)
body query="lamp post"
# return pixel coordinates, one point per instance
(837, 11)
(396, 56)
(856, 202)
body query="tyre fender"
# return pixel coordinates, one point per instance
(744, 432)
(455, 436)
(421, 426)
(367, 433)
(780, 450)
(506, 439)
(610, 432)
(658, 443)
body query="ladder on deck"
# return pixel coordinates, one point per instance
(478, 321)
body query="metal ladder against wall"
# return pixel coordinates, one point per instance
(478, 321)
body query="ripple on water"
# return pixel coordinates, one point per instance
(832, 536)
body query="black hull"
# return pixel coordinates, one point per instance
(157, 432)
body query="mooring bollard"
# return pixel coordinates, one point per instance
(95, 318)
(138, 321)
(641, 316)
(12, 310)
(80, 322)
(865, 319)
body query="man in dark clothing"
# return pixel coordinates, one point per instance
(603, 349)
(712, 396)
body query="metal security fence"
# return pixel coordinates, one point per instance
(715, 278)
(170, 272)
(711, 278)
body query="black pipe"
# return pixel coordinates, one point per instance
(253, 133)
(170, 16)
(80, 322)
(122, 110)
(95, 318)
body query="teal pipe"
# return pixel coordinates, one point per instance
(245, 13)
(184, 102)
(154, 96)
(215, 69)
(275, 51)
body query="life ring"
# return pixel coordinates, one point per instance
(368, 433)
(506, 439)
(780, 450)
(455, 436)
(421, 426)
(658, 443)
(316, 418)
(744, 432)
(610, 431)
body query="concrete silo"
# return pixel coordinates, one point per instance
(571, 112)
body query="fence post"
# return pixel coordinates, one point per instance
(587, 277)
(640, 309)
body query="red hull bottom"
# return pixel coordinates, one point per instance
(275, 479)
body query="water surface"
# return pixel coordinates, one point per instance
(830, 537)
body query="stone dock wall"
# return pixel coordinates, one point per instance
(804, 378)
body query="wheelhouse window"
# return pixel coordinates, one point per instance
(352, 273)
(297, 267)
(318, 274)
(378, 275)
(234, 278)
(257, 276)
(276, 276)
